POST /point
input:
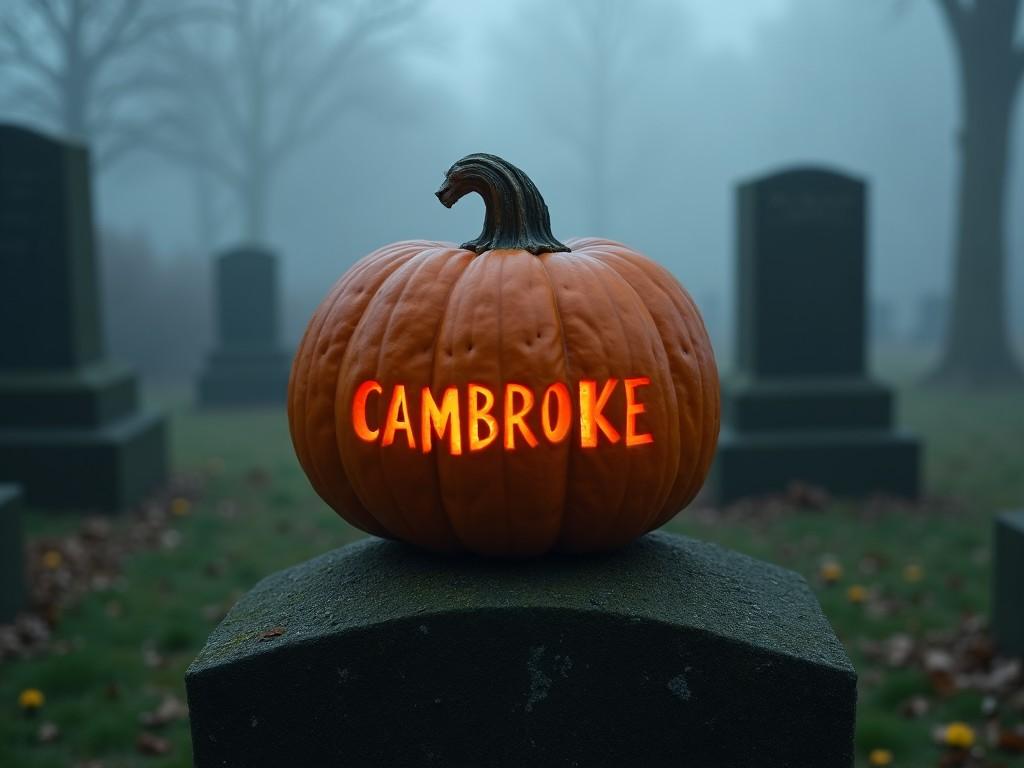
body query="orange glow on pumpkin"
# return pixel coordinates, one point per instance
(516, 419)
(558, 432)
(359, 410)
(481, 413)
(592, 417)
(398, 418)
(440, 417)
(434, 420)
(634, 409)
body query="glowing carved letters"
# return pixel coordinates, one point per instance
(517, 422)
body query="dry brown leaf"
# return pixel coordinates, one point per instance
(151, 744)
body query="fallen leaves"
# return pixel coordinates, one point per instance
(61, 569)
(169, 710)
(151, 744)
(962, 660)
(271, 633)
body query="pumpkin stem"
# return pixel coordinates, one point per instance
(516, 216)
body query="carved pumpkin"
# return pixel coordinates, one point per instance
(510, 396)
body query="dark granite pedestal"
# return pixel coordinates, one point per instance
(79, 438)
(12, 554)
(670, 652)
(248, 367)
(802, 407)
(1008, 584)
(72, 433)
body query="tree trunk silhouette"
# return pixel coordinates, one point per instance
(979, 350)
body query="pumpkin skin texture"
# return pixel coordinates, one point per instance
(430, 314)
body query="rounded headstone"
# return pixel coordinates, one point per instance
(669, 652)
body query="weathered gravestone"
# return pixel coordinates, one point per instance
(1008, 584)
(801, 408)
(71, 429)
(248, 367)
(12, 557)
(668, 652)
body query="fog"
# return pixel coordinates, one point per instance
(635, 124)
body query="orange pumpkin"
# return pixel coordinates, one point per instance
(510, 396)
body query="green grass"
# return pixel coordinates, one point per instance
(121, 650)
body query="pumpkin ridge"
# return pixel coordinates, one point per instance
(433, 378)
(673, 472)
(648, 268)
(400, 513)
(586, 259)
(381, 256)
(501, 348)
(699, 415)
(707, 455)
(569, 377)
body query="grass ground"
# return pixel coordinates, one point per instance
(121, 651)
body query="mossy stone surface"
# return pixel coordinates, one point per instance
(669, 652)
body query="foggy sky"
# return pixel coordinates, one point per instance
(708, 95)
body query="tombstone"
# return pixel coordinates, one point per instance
(12, 554)
(932, 320)
(248, 366)
(1007, 583)
(667, 652)
(71, 429)
(801, 408)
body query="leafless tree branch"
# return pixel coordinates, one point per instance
(23, 52)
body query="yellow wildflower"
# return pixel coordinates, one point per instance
(913, 573)
(879, 757)
(856, 594)
(831, 572)
(31, 699)
(52, 559)
(959, 735)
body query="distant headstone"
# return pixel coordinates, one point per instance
(71, 431)
(669, 652)
(801, 407)
(12, 554)
(1008, 583)
(248, 366)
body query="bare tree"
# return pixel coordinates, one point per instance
(583, 76)
(991, 65)
(75, 66)
(265, 80)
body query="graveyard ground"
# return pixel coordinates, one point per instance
(112, 674)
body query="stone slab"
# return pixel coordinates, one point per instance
(244, 379)
(13, 590)
(106, 469)
(801, 238)
(1008, 584)
(806, 404)
(86, 397)
(846, 463)
(49, 313)
(246, 280)
(669, 652)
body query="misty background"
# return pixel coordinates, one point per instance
(635, 121)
